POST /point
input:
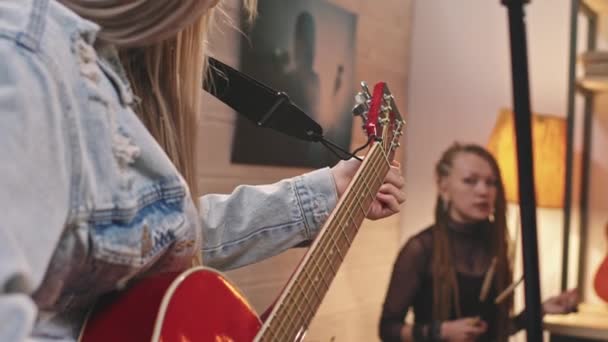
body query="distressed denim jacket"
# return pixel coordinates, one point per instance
(89, 200)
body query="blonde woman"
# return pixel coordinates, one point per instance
(98, 108)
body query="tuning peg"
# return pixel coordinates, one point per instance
(400, 125)
(365, 89)
(387, 99)
(361, 98)
(383, 121)
(362, 106)
(360, 110)
(385, 109)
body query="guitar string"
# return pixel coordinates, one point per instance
(324, 246)
(332, 237)
(356, 197)
(287, 316)
(328, 243)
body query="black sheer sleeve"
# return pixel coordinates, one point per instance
(408, 270)
(517, 323)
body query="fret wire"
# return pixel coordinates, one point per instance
(348, 215)
(297, 290)
(353, 222)
(364, 183)
(372, 196)
(287, 318)
(354, 197)
(361, 207)
(363, 210)
(270, 331)
(344, 243)
(324, 246)
(370, 173)
(346, 236)
(321, 274)
(305, 292)
(339, 251)
(338, 262)
(334, 270)
(366, 188)
(279, 324)
(314, 289)
(329, 245)
(320, 271)
(340, 220)
(308, 312)
(388, 162)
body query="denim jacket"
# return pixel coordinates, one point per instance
(90, 201)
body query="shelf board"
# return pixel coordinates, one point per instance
(598, 6)
(593, 84)
(591, 321)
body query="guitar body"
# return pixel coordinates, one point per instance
(600, 281)
(196, 305)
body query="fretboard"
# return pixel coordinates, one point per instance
(304, 293)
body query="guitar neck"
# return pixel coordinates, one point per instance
(305, 291)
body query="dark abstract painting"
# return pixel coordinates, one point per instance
(305, 48)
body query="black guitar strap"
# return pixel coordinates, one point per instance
(259, 103)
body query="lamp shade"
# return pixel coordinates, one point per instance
(549, 151)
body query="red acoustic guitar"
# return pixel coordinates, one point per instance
(600, 282)
(200, 305)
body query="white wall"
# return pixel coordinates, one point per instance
(460, 76)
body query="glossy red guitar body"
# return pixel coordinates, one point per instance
(196, 305)
(600, 281)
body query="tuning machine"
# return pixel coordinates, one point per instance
(363, 99)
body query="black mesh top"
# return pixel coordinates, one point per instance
(411, 284)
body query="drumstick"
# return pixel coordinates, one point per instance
(487, 281)
(504, 294)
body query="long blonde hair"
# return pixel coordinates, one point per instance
(446, 297)
(165, 61)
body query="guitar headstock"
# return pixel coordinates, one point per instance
(381, 118)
